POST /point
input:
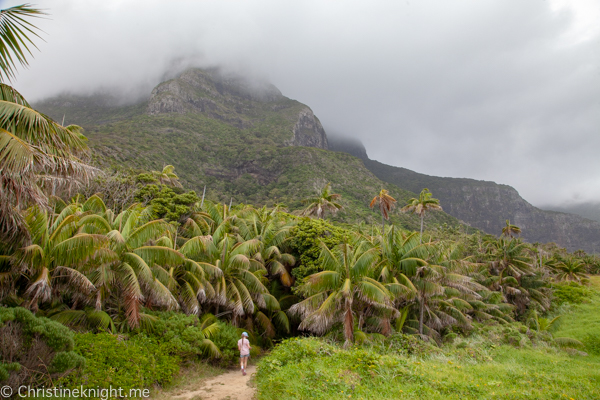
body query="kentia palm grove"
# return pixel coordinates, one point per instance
(142, 238)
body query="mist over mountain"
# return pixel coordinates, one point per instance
(247, 142)
(242, 139)
(508, 88)
(589, 210)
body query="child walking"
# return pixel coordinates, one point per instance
(244, 347)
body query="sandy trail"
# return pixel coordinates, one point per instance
(231, 386)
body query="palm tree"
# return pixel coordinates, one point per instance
(36, 153)
(238, 285)
(55, 255)
(167, 176)
(188, 281)
(510, 271)
(569, 269)
(509, 257)
(273, 234)
(421, 205)
(128, 272)
(510, 230)
(14, 39)
(344, 282)
(542, 324)
(386, 204)
(323, 202)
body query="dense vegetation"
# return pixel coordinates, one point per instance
(275, 274)
(509, 361)
(134, 276)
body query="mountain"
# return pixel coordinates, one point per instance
(486, 205)
(589, 210)
(246, 141)
(243, 139)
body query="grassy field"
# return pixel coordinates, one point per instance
(478, 367)
(583, 321)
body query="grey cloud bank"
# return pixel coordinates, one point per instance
(500, 90)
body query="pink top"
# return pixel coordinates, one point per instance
(244, 346)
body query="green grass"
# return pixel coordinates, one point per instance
(480, 366)
(363, 374)
(582, 322)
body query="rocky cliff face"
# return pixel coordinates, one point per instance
(241, 138)
(487, 205)
(244, 141)
(308, 131)
(237, 101)
(199, 90)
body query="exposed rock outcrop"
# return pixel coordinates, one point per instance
(487, 205)
(199, 90)
(238, 101)
(308, 131)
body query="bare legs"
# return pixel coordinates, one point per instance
(243, 364)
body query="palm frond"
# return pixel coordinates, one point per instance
(14, 40)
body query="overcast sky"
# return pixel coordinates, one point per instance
(504, 90)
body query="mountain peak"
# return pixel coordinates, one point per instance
(201, 90)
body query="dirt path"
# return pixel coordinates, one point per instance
(231, 386)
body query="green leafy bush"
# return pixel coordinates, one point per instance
(294, 349)
(571, 292)
(184, 335)
(167, 202)
(33, 349)
(136, 363)
(305, 244)
(226, 340)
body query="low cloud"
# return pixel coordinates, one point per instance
(500, 90)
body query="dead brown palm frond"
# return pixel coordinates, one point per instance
(386, 204)
(76, 279)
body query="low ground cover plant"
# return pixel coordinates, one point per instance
(34, 350)
(311, 368)
(139, 362)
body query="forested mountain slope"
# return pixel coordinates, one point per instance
(242, 140)
(486, 205)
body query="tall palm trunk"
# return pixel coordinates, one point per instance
(348, 324)
(421, 237)
(382, 225)
(421, 314)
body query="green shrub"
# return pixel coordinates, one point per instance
(7, 368)
(180, 335)
(136, 363)
(294, 349)
(409, 344)
(305, 244)
(166, 202)
(571, 292)
(33, 349)
(226, 340)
